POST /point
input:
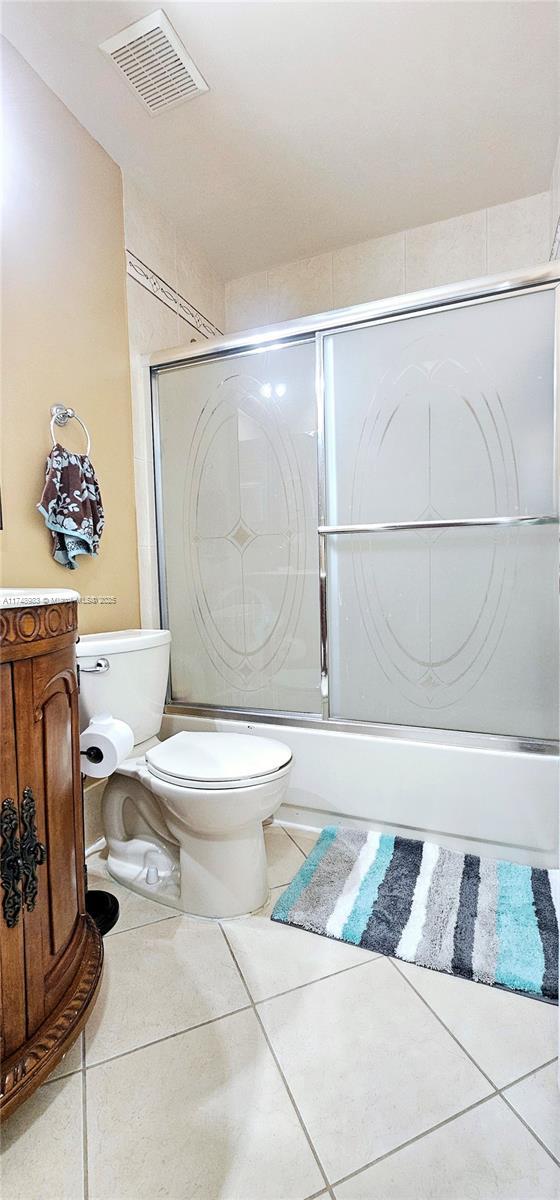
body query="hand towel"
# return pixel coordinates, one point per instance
(71, 505)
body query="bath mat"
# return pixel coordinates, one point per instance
(481, 918)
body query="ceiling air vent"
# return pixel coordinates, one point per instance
(155, 63)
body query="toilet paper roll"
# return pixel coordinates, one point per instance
(108, 741)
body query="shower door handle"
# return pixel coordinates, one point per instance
(458, 523)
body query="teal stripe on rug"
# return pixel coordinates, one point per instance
(520, 962)
(369, 889)
(304, 875)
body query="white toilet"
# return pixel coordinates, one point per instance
(183, 817)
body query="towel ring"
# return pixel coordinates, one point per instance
(61, 416)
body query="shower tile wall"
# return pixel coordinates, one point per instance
(307, 283)
(555, 215)
(519, 233)
(374, 269)
(507, 237)
(161, 246)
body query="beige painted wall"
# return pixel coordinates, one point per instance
(64, 334)
(507, 237)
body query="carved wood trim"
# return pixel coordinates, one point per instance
(26, 1069)
(19, 626)
(54, 688)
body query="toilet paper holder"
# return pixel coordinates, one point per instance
(93, 754)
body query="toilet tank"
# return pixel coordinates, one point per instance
(125, 674)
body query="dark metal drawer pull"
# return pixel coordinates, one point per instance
(11, 868)
(33, 852)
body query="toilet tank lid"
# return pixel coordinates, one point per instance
(213, 758)
(121, 641)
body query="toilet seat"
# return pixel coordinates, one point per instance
(214, 761)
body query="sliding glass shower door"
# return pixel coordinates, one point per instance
(360, 523)
(238, 529)
(446, 416)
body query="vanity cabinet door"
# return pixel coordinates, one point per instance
(12, 961)
(50, 786)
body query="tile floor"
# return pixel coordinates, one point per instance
(248, 1061)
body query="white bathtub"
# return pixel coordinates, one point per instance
(487, 801)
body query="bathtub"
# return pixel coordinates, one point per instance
(496, 802)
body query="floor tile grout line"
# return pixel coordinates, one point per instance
(292, 839)
(497, 1094)
(411, 1141)
(220, 1017)
(157, 921)
(200, 1024)
(294, 1105)
(320, 979)
(497, 1090)
(521, 1078)
(85, 1149)
(496, 1086)
(281, 1074)
(444, 1026)
(534, 1071)
(166, 1038)
(530, 1130)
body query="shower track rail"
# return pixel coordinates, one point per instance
(464, 523)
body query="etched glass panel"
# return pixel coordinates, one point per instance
(239, 495)
(447, 415)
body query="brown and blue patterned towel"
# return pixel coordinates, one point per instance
(71, 505)
(481, 918)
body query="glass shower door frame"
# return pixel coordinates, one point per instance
(360, 317)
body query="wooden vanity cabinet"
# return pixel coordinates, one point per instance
(51, 953)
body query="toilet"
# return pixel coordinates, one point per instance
(182, 816)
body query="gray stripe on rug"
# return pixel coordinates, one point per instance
(548, 929)
(438, 936)
(391, 910)
(327, 882)
(466, 918)
(485, 945)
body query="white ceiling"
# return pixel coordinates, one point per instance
(326, 123)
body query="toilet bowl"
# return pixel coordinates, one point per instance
(183, 816)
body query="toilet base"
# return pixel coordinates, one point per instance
(198, 851)
(226, 876)
(131, 873)
(161, 894)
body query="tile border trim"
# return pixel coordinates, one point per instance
(158, 287)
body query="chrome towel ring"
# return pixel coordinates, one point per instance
(61, 415)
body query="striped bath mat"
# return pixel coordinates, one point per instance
(482, 918)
